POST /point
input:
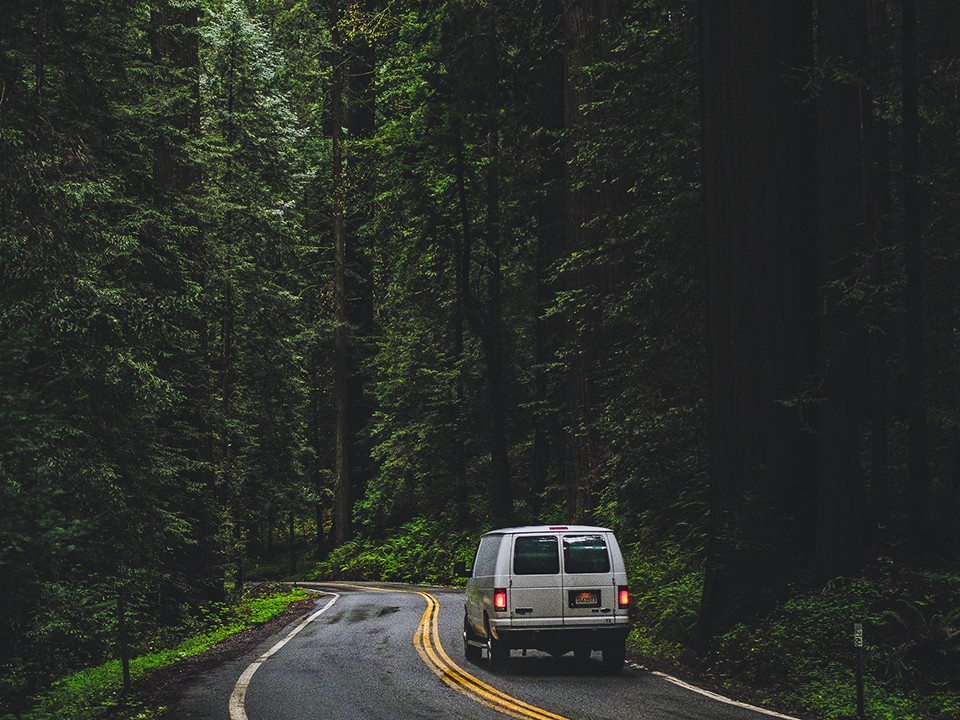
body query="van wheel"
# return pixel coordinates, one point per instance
(498, 654)
(614, 657)
(582, 656)
(471, 652)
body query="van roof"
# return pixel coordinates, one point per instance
(548, 528)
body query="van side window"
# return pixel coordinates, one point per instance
(585, 554)
(536, 555)
(486, 561)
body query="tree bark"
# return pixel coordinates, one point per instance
(842, 363)
(343, 491)
(918, 495)
(876, 202)
(461, 262)
(550, 238)
(492, 338)
(760, 201)
(485, 318)
(123, 641)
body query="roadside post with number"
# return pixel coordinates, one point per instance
(858, 645)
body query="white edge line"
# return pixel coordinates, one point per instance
(720, 698)
(237, 710)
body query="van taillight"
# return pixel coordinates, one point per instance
(500, 599)
(623, 596)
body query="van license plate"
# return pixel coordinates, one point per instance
(584, 598)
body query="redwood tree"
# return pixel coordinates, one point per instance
(759, 173)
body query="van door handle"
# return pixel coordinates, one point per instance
(523, 611)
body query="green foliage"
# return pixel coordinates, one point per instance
(802, 652)
(87, 695)
(166, 328)
(423, 550)
(665, 585)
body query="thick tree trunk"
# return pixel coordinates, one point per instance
(492, 337)
(843, 363)
(343, 491)
(918, 495)
(486, 318)
(550, 239)
(461, 263)
(759, 179)
(360, 120)
(876, 204)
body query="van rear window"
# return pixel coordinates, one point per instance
(486, 561)
(585, 554)
(536, 555)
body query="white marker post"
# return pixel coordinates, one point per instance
(858, 645)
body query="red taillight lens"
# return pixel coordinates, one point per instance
(500, 599)
(623, 596)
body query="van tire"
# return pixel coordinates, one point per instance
(498, 654)
(472, 653)
(614, 658)
(582, 656)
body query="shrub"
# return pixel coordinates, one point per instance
(420, 551)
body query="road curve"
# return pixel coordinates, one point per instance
(395, 651)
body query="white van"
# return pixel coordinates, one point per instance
(555, 588)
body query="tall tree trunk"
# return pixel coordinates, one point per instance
(760, 200)
(461, 262)
(485, 319)
(953, 501)
(123, 640)
(360, 120)
(584, 24)
(550, 236)
(842, 365)
(291, 543)
(343, 491)
(316, 421)
(876, 204)
(501, 503)
(918, 502)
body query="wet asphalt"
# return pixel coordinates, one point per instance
(358, 661)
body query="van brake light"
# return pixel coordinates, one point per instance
(500, 599)
(623, 596)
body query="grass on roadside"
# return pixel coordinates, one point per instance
(92, 693)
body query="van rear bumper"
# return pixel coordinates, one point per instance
(561, 639)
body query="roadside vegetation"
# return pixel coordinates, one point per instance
(98, 692)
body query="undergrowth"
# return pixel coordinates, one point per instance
(421, 551)
(93, 693)
(799, 656)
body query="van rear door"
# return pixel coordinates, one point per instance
(533, 597)
(589, 588)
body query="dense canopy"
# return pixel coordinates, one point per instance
(288, 284)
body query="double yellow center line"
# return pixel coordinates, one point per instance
(427, 642)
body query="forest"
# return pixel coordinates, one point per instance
(319, 288)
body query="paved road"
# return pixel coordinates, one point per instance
(398, 654)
